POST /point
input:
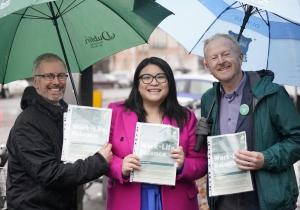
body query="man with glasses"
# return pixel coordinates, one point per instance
(37, 178)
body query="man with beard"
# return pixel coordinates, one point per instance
(37, 178)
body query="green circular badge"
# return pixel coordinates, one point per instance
(244, 109)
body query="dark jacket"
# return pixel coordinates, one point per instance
(37, 179)
(276, 135)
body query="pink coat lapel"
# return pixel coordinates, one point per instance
(129, 121)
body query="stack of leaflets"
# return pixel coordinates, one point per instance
(224, 177)
(86, 129)
(153, 144)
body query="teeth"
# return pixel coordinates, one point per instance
(224, 68)
(55, 89)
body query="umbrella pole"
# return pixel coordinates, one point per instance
(63, 50)
(245, 20)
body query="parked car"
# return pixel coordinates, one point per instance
(13, 88)
(101, 80)
(123, 78)
(190, 88)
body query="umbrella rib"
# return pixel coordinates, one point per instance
(33, 17)
(145, 40)
(69, 38)
(267, 22)
(225, 10)
(269, 41)
(12, 42)
(39, 12)
(24, 15)
(69, 8)
(290, 21)
(59, 8)
(54, 19)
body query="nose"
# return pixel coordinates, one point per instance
(220, 59)
(55, 80)
(154, 81)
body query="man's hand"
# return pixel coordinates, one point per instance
(106, 152)
(249, 160)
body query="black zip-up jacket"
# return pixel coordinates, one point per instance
(37, 179)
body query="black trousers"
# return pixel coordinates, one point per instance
(240, 201)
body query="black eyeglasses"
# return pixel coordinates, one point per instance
(51, 76)
(148, 78)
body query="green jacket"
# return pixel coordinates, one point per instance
(277, 136)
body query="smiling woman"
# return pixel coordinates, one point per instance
(153, 100)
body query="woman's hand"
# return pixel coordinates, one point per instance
(130, 162)
(178, 155)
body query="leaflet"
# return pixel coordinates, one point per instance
(86, 129)
(224, 177)
(153, 145)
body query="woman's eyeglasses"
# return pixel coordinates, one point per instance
(51, 76)
(148, 78)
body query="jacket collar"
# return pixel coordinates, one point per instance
(31, 98)
(261, 83)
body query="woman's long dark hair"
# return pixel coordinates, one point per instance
(170, 107)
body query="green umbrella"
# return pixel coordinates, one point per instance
(9, 6)
(80, 31)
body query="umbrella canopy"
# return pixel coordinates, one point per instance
(10, 6)
(80, 31)
(268, 40)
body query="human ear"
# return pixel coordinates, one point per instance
(35, 82)
(205, 64)
(241, 58)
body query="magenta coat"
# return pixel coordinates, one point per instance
(125, 195)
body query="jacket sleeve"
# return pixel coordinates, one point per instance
(36, 152)
(204, 111)
(195, 163)
(284, 149)
(117, 161)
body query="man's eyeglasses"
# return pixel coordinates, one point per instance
(148, 78)
(51, 76)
